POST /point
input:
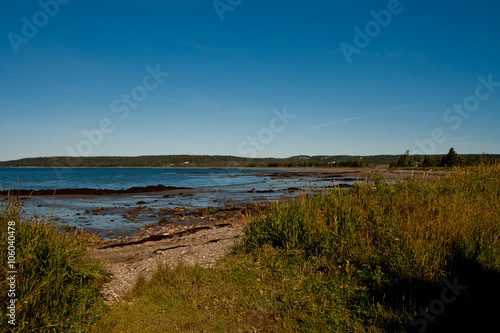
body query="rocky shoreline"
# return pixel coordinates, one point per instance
(91, 191)
(196, 237)
(202, 243)
(170, 224)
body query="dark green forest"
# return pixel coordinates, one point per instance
(451, 159)
(220, 161)
(214, 161)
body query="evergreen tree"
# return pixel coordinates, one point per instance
(407, 160)
(404, 160)
(429, 161)
(450, 159)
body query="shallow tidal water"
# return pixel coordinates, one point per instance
(107, 215)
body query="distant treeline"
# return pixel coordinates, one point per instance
(213, 161)
(448, 160)
(220, 161)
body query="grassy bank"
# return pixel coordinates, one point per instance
(54, 286)
(397, 245)
(414, 256)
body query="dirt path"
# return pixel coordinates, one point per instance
(194, 245)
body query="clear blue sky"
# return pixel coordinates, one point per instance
(67, 70)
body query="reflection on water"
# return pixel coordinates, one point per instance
(111, 221)
(123, 178)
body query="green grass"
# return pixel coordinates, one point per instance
(270, 293)
(57, 287)
(392, 240)
(411, 230)
(193, 299)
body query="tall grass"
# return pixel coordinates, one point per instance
(390, 239)
(57, 287)
(413, 229)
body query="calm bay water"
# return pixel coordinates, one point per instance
(218, 187)
(123, 178)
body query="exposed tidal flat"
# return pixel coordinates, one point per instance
(118, 202)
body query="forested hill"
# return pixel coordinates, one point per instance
(216, 161)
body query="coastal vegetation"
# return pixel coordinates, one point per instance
(54, 285)
(449, 160)
(416, 256)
